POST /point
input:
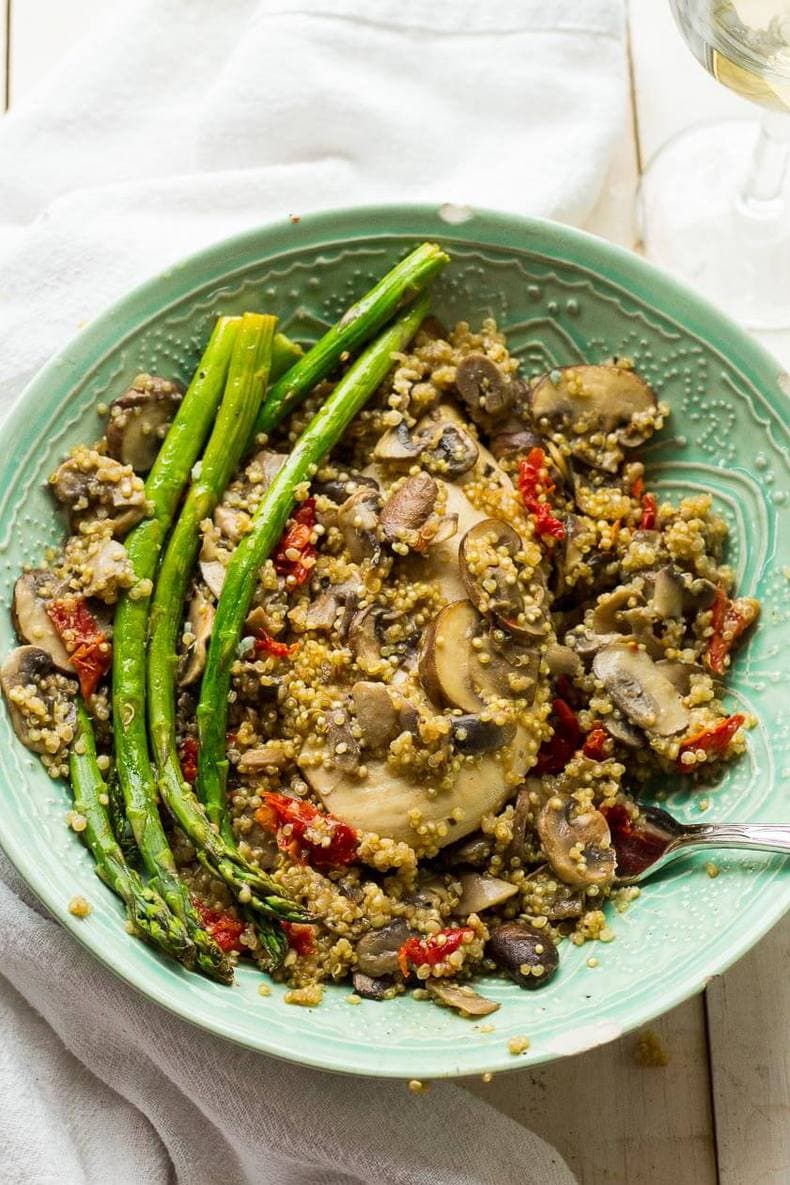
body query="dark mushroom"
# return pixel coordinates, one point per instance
(447, 448)
(364, 639)
(472, 735)
(377, 951)
(334, 608)
(338, 489)
(40, 700)
(139, 420)
(625, 733)
(450, 666)
(461, 997)
(526, 954)
(563, 905)
(343, 747)
(640, 689)
(515, 441)
(482, 892)
(562, 660)
(200, 620)
(586, 400)
(488, 558)
(577, 843)
(476, 851)
(370, 987)
(397, 444)
(31, 620)
(407, 511)
(358, 520)
(381, 713)
(483, 387)
(95, 487)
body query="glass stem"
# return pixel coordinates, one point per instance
(762, 194)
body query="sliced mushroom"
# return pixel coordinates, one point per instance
(625, 733)
(483, 387)
(339, 489)
(586, 400)
(377, 951)
(342, 746)
(263, 468)
(440, 442)
(515, 441)
(640, 690)
(526, 954)
(139, 420)
(358, 520)
(493, 578)
(668, 593)
(563, 905)
(450, 666)
(473, 735)
(40, 700)
(522, 814)
(271, 757)
(95, 487)
(213, 573)
(381, 713)
(31, 620)
(482, 892)
(577, 843)
(397, 444)
(200, 621)
(407, 511)
(370, 987)
(461, 997)
(562, 660)
(106, 570)
(475, 850)
(232, 523)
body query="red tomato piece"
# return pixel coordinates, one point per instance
(266, 644)
(555, 753)
(729, 619)
(307, 833)
(224, 928)
(595, 743)
(89, 650)
(188, 753)
(417, 952)
(711, 740)
(295, 546)
(301, 938)
(637, 488)
(649, 513)
(535, 485)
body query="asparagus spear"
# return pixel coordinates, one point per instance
(357, 325)
(145, 909)
(163, 488)
(249, 369)
(241, 576)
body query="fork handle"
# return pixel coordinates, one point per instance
(765, 837)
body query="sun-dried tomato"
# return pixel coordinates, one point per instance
(729, 619)
(295, 546)
(535, 486)
(419, 952)
(595, 742)
(266, 644)
(85, 643)
(555, 753)
(638, 488)
(306, 833)
(649, 513)
(188, 754)
(711, 740)
(636, 846)
(301, 938)
(224, 928)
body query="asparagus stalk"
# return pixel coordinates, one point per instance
(249, 370)
(145, 908)
(163, 488)
(284, 354)
(357, 325)
(323, 432)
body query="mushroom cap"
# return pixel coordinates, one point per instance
(577, 843)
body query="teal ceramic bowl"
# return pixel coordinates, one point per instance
(562, 297)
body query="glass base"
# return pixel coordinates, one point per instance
(694, 222)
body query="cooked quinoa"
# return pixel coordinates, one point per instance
(482, 634)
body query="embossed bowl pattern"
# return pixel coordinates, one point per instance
(561, 296)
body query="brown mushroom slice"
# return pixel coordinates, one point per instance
(488, 559)
(341, 744)
(475, 850)
(139, 420)
(397, 444)
(447, 448)
(450, 666)
(381, 714)
(32, 622)
(358, 520)
(40, 700)
(213, 573)
(461, 997)
(270, 757)
(98, 488)
(625, 733)
(640, 689)
(482, 892)
(583, 400)
(668, 588)
(377, 951)
(369, 987)
(108, 570)
(364, 640)
(200, 620)
(577, 843)
(408, 509)
(440, 563)
(389, 803)
(523, 952)
(484, 388)
(473, 734)
(562, 660)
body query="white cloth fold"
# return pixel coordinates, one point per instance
(173, 124)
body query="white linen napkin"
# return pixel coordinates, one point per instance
(173, 124)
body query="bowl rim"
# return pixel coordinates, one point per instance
(448, 223)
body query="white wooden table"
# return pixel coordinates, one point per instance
(719, 1112)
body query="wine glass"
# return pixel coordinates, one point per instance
(714, 205)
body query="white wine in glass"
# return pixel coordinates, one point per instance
(714, 203)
